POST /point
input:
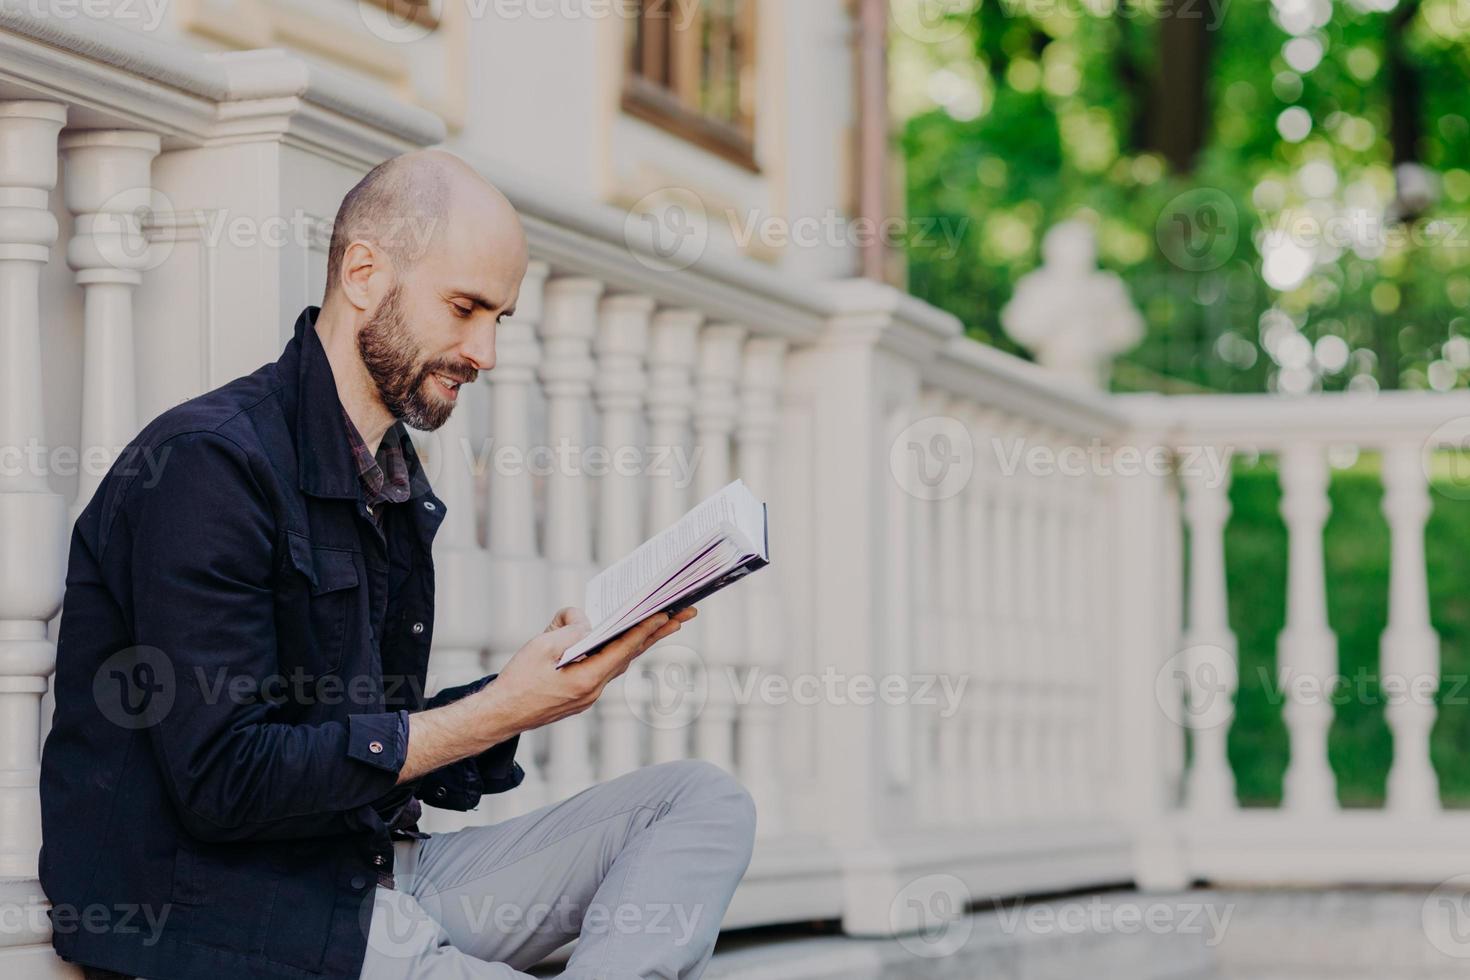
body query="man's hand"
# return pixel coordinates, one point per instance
(530, 691)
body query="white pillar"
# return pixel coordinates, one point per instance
(978, 669)
(462, 617)
(951, 592)
(567, 329)
(33, 520)
(517, 594)
(1307, 648)
(1002, 685)
(1026, 660)
(107, 185)
(622, 343)
(760, 736)
(1208, 660)
(717, 633)
(668, 671)
(1409, 661)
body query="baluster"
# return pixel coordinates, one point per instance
(669, 673)
(1307, 648)
(1410, 646)
(1084, 654)
(976, 678)
(759, 732)
(33, 520)
(927, 637)
(718, 633)
(951, 592)
(1025, 692)
(462, 619)
(567, 328)
(517, 598)
(621, 345)
(1052, 716)
(1006, 652)
(1210, 670)
(107, 184)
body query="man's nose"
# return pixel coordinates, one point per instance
(479, 350)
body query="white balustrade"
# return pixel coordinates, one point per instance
(1410, 652)
(1208, 658)
(517, 574)
(1307, 648)
(622, 344)
(718, 633)
(568, 325)
(106, 187)
(33, 521)
(670, 672)
(761, 367)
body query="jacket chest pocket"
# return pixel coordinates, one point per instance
(325, 597)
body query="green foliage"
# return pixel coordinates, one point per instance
(1040, 112)
(1356, 544)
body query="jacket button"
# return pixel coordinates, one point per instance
(429, 505)
(439, 793)
(375, 747)
(418, 628)
(359, 881)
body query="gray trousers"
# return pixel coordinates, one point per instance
(639, 870)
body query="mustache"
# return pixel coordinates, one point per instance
(454, 372)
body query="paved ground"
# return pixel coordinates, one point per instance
(1204, 935)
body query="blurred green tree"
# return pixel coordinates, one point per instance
(1282, 183)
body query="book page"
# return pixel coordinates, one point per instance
(621, 583)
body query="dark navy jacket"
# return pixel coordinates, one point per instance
(238, 654)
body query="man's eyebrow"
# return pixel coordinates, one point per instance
(484, 303)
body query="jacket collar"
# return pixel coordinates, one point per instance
(323, 452)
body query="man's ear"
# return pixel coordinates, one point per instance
(359, 263)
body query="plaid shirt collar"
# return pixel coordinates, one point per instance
(384, 477)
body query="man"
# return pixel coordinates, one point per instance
(241, 744)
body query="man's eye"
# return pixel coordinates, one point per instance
(462, 312)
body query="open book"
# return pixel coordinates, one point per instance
(721, 540)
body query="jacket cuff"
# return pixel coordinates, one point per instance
(379, 740)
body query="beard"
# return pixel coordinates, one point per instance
(394, 362)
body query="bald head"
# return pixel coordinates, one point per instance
(406, 206)
(426, 259)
